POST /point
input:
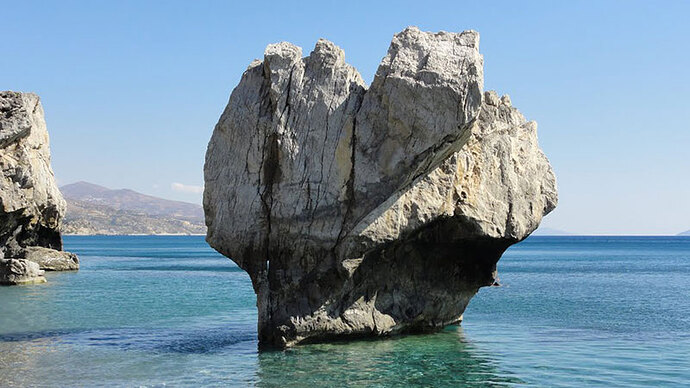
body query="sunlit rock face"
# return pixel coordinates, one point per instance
(371, 210)
(31, 206)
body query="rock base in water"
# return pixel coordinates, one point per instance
(50, 259)
(17, 271)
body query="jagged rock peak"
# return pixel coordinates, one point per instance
(370, 211)
(31, 206)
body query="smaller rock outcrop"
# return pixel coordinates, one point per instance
(17, 271)
(31, 206)
(50, 259)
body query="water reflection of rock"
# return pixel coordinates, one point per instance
(445, 359)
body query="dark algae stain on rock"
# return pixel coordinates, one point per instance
(367, 211)
(31, 206)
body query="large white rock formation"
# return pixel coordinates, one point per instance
(371, 211)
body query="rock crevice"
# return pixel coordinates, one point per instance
(371, 210)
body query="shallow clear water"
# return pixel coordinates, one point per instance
(169, 311)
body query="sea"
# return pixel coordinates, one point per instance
(168, 311)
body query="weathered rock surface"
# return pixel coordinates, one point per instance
(16, 271)
(372, 211)
(50, 259)
(31, 206)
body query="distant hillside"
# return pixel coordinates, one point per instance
(94, 209)
(686, 233)
(125, 199)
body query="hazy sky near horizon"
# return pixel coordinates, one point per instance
(133, 89)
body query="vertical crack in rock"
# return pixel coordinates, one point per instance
(383, 209)
(31, 206)
(349, 200)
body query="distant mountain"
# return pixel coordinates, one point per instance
(686, 233)
(125, 199)
(545, 231)
(94, 209)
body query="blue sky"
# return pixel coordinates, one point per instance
(132, 89)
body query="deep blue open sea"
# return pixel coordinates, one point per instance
(170, 311)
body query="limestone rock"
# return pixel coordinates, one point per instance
(50, 259)
(31, 206)
(370, 211)
(16, 271)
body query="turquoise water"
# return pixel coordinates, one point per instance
(169, 311)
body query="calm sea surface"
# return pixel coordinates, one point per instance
(170, 311)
